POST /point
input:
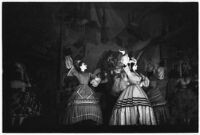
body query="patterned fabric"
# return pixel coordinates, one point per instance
(158, 101)
(24, 104)
(155, 97)
(85, 111)
(162, 84)
(22, 101)
(83, 104)
(132, 106)
(130, 102)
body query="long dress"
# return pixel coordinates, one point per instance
(83, 104)
(132, 106)
(185, 104)
(157, 98)
(23, 102)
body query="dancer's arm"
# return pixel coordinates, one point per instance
(69, 65)
(95, 80)
(132, 78)
(144, 81)
(73, 72)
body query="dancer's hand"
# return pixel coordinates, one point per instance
(95, 82)
(144, 81)
(68, 62)
(132, 60)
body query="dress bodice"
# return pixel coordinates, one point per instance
(121, 83)
(83, 78)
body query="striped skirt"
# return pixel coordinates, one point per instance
(162, 114)
(159, 106)
(82, 110)
(82, 105)
(133, 108)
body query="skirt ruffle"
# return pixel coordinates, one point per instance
(80, 112)
(137, 115)
(133, 108)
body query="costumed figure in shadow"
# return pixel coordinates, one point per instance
(23, 102)
(185, 103)
(185, 100)
(156, 95)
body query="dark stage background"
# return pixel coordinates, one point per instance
(41, 34)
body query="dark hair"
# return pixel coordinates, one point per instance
(77, 65)
(109, 61)
(113, 61)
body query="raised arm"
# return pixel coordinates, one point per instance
(144, 81)
(134, 79)
(69, 65)
(73, 72)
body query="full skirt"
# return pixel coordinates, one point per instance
(133, 108)
(82, 106)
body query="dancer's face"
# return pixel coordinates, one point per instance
(160, 73)
(83, 67)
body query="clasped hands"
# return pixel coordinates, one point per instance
(95, 82)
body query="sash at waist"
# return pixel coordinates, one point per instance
(85, 101)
